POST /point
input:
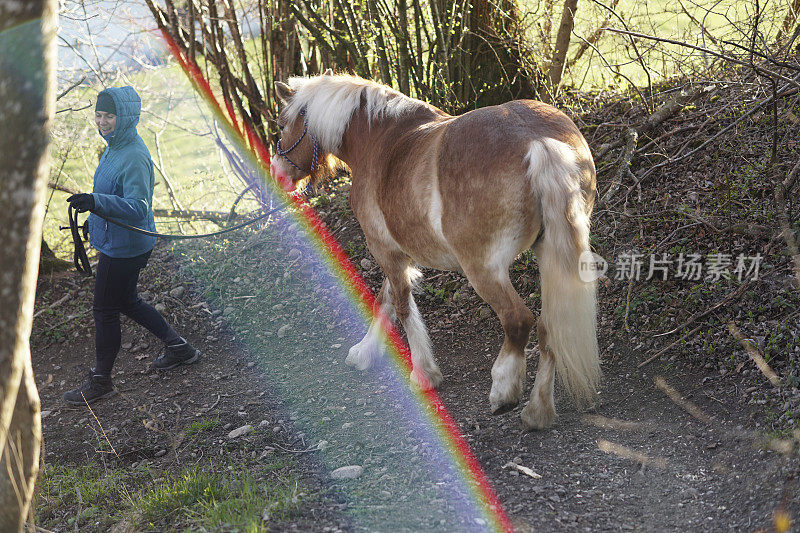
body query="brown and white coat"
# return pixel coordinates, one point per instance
(467, 193)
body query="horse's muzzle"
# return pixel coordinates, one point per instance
(283, 180)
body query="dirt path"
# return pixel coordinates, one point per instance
(686, 475)
(637, 462)
(162, 422)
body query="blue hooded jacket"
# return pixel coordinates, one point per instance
(123, 184)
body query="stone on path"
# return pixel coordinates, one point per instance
(178, 291)
(238, 432)
(347, 472)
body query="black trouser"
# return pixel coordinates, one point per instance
(115, 293)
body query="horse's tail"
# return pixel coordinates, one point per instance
(569, 305)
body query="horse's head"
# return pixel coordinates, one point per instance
(299, 158)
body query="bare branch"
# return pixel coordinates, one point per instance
(712, 52)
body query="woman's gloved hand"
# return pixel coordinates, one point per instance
(81, 202)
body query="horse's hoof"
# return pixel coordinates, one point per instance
(360, 356)
(537, 416)
(505, 395)
(504, 408)
(426, 383)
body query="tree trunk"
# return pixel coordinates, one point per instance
(403, 55)
(27, 99)
(49, 263)
(788, 23)
(494, 65)
(562, 43)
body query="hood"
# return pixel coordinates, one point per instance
(129, 107)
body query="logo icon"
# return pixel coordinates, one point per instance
(591, 266)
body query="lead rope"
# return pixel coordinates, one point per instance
(81, 260)
(79, 256)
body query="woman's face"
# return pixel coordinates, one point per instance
(106, 122)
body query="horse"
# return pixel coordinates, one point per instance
(467, 193)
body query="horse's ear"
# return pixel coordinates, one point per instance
(283, 91)
(328, 72)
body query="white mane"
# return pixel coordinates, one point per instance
(330, 102)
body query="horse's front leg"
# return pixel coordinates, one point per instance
(363, 355)
(397, 267)
(425, 373)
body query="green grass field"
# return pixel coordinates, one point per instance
(208, 497)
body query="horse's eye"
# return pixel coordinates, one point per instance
(280, 127)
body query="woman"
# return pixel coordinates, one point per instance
(123, 190)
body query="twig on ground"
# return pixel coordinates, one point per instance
(523, 469)
(701, 314)
(628, 303)
(665, 136)
(781, 188)
(665, 350)
(662, 114)
(213, 405)
(755, 355)
(716, 400)
(691, 139)
(71, 317)
(52, 305)
(101, 429)
(624, 169)
(175, 440)
(755, 230)
(680, 401)
(80, 508)
(37, 529)
(289, 450)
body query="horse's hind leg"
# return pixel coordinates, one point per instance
(363, 354)
(508, 371)
(540, 411)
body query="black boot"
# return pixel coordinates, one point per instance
(97, 387)
(177, 355)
